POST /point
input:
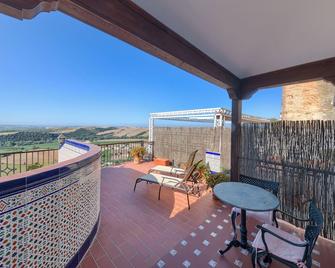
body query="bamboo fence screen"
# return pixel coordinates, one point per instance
(300, 155)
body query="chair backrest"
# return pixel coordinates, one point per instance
(314, 227)
(189, 171)
(271, 186)
(190, 160)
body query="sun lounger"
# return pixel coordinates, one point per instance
(167, 169)
(174, 170)
(171, 182)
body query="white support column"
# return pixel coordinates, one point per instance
(218, 119)
(151, 134)
(218, 124)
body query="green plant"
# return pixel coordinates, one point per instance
(214, 179)
(34, 166)
(137, 152)
(203, 170)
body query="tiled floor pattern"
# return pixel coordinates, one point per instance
(137, 230)
(199, 248)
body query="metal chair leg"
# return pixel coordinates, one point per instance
(274, 219)
(188, 201)
(309, 262)
(159, 192)
(267, 260)
(260, 257)
(136, 182)
(253, 258)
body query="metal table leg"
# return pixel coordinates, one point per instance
(243, 243)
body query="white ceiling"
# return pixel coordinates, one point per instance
(250, 37)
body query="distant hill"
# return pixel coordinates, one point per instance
(123, 132)
(37, 136)
(97, 133)
(26, 137)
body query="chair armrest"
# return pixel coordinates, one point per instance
(289, 215)
(170, 178)
(265, 230)
(178, 182)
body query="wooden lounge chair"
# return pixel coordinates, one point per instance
(174, 170)
(274, 243)
(180, 184)
(264, 217)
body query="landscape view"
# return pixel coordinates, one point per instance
(25, 148)
(27, 138)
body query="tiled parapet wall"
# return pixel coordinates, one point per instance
(49, 216)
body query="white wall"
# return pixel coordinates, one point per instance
(70, 150)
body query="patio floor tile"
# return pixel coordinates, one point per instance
(137, 230)
(105, 262)
(88, 262)
(97, 251)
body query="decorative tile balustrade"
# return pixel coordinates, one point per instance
(49, 216)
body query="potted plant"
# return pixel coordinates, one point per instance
(137, 153)
(214, 179)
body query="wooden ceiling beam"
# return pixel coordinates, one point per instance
(330, 79)
(318, 70)
(26, 9)
(130, 23)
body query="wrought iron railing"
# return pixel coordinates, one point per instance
(119, 152)
(16, 162)
(111, 154)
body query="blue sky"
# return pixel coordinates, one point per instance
(55, 70)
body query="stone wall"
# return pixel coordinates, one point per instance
(176, 143)
(308, 101)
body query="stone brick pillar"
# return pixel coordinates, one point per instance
(309, 101)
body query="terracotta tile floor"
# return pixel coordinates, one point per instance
(137, 230)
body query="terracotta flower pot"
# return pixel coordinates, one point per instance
(137, 160)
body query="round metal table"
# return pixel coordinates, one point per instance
(246, 197)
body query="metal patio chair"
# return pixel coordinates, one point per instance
(265, 217)
(273, 243)
(180, 184)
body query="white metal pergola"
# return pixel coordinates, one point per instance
(217, 116)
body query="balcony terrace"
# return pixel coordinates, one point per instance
(67, 214)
